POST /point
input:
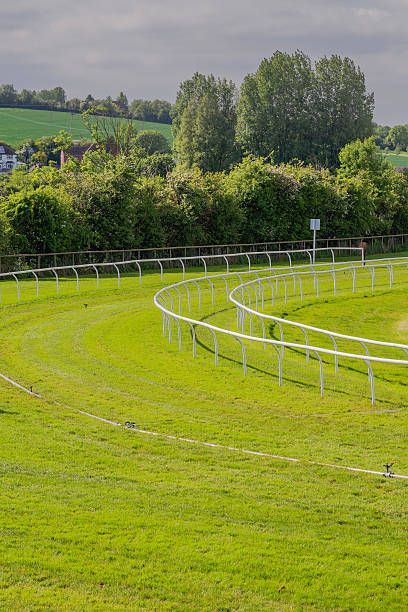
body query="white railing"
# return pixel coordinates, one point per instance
(238, 296)
(280, 275)
(161, 262)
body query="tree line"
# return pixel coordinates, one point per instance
(157, 111)
(394, 138)
(294, 143)
(133, 195)
(292, 106)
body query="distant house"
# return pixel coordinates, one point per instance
(8, 159)
(78, 151)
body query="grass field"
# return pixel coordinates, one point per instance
(97, 517)
(397, 160)
(17, 124)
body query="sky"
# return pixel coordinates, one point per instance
(147, 47)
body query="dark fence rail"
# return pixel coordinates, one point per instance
(25, 261)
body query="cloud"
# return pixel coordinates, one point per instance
(146, 48)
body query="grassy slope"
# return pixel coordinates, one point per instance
(97, 517)
(17, 124)
(397, 160)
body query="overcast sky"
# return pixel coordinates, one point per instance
(147, 47)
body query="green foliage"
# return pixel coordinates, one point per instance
(210, 214)
(398, 135)
(8, 94)
(344, 108)
(150, 197)
(116, 200)
(278, 201)
(382, 192)
(302, 111)
(204, 123)
(362, 156)
(155, 110)
(38, 220)
(158, 164)
(5, 230)
(152, 141)
(380, 135)
(274, 110)
(102, 201)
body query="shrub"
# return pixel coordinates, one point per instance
(38, 220)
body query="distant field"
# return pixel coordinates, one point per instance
(17, 124)
(397, 160)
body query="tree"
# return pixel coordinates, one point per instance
(398, 135)
(26, 151)
(158, 164)
(52, 97)
(204, 123)
(275, 109)
(363, 156)
(122, 101)
(38, 220)
(26, 97)
(74, 104)
(146, 110)
(206, 212)
(344, 110)
(8, 95)
(102, 199)
(88, 103)
(380, 134)
(39, 158)
(58, 96)
(302, 111)
(112, 135)
(152, 141)
(364, 170)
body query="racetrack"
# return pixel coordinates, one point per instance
(168, 524)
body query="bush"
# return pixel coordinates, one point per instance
(149, 197)
(210, 214)
(152, 141)
(38, 221)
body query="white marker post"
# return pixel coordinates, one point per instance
(315, 226)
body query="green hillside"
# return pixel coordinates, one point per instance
(17, 124)
(397, 160)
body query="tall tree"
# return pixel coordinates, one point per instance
(344, 110)
(204, 123)
(276, 107)
(8, 95)
(398, 135)
(303, 111)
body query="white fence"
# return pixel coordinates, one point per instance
(245, 293)
(242, 296)
(161, 262)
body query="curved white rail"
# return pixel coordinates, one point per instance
(160, 261)
(237, 297)
(238, 294)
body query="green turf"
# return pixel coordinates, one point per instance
(97, 517)
(18, 124)
(397, 160)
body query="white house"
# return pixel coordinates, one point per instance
(8, 159)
